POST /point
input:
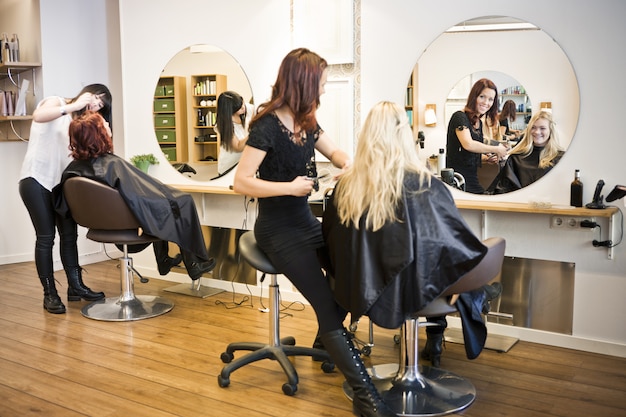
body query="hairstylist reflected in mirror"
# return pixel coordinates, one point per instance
(233, 117)
(465, 148)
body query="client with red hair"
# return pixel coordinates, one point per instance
(161, 210)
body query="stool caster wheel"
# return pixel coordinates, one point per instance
(367, 350)
(353, 326)
(328, 367)
(289, 389)
(227, 357)
(289, 340)
(223, 382)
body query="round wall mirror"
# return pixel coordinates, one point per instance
(185, 107)
(526, 64)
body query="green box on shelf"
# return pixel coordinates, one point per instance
(164, 104)
(159, 91)
(170, 152)
(166, 135)
(161, 120)
(169, 90)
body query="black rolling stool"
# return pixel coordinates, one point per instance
(277, 348)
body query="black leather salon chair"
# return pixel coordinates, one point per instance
(104, 212)
(410, 389)
(277, 349)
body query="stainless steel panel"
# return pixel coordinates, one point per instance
(223, 245)
(539, 294)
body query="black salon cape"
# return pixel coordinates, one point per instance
(162, 211)
(520, 171)
(396, 271)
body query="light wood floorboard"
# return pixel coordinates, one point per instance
(67, 365)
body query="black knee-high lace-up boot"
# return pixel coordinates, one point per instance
(366, 402)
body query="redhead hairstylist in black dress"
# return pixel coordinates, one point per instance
(465, 147)
(283, 137)
(46, 158)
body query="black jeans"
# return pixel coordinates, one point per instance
(40, 206)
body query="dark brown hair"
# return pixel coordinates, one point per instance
(470, 106)
(89, 137)
(509, 111)
(298, 87)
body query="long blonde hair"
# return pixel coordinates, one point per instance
(373, 184)
(552, 148)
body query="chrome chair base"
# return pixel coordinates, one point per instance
(137, 308)
(128, 306)
(435, 392)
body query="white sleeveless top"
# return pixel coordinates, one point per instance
(48, 151)
(228, 159)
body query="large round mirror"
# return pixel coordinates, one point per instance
(185, 107)
(525, 63)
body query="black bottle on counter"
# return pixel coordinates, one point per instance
(576, 191)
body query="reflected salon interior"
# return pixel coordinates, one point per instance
(563, 271)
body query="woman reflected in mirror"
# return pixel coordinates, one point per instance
(537, 152)
(466, 150)
(231, 123)
(506, 118)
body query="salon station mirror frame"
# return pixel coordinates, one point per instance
(492, 44)
(191, 146)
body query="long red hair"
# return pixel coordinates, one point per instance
(89, 137)
(298, 87)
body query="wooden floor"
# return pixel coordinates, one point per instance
(67, 365)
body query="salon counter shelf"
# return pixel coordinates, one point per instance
(204, 189)
(486, 206)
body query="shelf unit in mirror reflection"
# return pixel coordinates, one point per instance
(204, 140)
(170, 117)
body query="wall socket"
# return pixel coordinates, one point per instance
(569, 222)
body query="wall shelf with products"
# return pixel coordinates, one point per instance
(204, 141)
(11, 80)
(170, 117)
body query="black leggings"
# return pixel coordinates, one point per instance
(307, 276)
(38, 202)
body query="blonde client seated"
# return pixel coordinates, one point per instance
(397, 247)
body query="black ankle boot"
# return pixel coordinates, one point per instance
(366, 401)
(51, 300)
(434, 347)
(77, 289)
(164, 262)
(196, 266)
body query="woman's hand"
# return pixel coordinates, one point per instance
(500, 150)
(301, 186)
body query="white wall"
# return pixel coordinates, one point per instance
(393, 35)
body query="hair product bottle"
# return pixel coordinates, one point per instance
(576, 190)
(441, 161)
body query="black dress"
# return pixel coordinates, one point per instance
(285, 225)
(464, 162)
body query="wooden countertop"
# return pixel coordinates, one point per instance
(461, 204)
(206, 189)
(536, 209)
